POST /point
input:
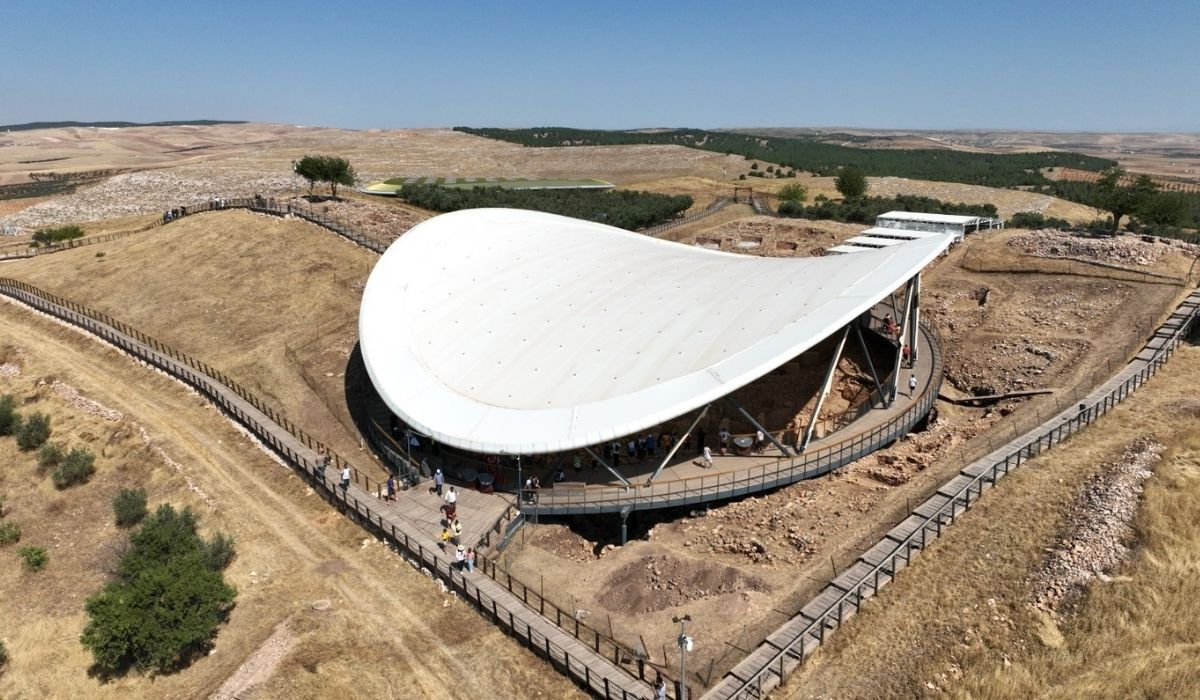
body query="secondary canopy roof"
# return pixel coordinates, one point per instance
(500, 330)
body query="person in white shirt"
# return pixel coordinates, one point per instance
(708, 457)
(345, 477)
(912, 385)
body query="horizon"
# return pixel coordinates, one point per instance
(1018, 66)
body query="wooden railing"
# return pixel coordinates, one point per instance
(1056, 429)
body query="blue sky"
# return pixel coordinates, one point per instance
(1101, 66)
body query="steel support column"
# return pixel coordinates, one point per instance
(913, 324)
(677, 445)
(758, 427)
(609, 467)
(826, 386)
(862, 343)
(908, 298)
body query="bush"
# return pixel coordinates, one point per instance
(166, 604)
(10, 533)
(3, 655)
(33, 431)
(1034, 220)
(791, 208)
(76, 468)
(10, 420)
(219, 551)
(129, 507)
(51, 455)
(34, 557)
(793, 192)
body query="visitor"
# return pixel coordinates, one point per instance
(345, 477)
(391, 488)
(708, 461)
(660, 688)
(700, 440)
(641, 448)
(760, 441)
(322, 463)
(651, 446)
(438, 480)
(907, 352)
(632, 448)
(577, 463)
(912, 385)
(460, 557)
(451, 496)
(444, 539)
(456, 531)
(723, 440)
(470, 559)
(559, 475)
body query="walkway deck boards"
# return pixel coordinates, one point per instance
(758, 673)
(413, 518)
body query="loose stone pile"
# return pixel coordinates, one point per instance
(1119, 250)
(1100, 524)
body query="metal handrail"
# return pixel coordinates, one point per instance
(962, 499)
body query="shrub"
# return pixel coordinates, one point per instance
(1034, 220)
(793, 192)
(166, 604)
(742, 176)
(10, 420)
(129, 507)
(10, 533)
(219, 551)
(51, 455)
(3, 655)
(791, 208)
(34, 557)
(76, 468)
(33, 431)
(2, 511)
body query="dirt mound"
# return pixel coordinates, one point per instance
(662, 581)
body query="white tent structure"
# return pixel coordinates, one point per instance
(509, 331)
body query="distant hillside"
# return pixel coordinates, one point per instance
(29, 126)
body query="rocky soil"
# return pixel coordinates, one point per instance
(1119, 250)
(662, 581)
(1099, 526)
(772, 237)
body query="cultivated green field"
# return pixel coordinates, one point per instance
(392, 185)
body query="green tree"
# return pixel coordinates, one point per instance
(851, 182)
(129, 507)
(166, 604)
(328, 169)
(793, 192)
(1117, 198)
(33, 432)
(76, 468)
(10, 420)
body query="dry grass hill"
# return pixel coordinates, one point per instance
(273, 303)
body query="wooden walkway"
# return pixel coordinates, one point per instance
(410, 524)
(788, 646)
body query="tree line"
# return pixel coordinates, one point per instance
(825, 159)
(627, 209)
(864, 210)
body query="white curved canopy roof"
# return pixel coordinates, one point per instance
(501, 330)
